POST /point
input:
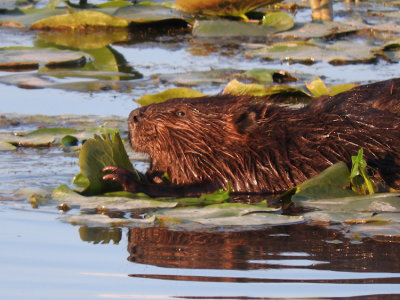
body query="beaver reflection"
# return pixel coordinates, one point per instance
(261, 249)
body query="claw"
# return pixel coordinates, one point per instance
(123, 176)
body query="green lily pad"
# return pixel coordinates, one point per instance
(318, 88)
(319, 30)
(168, 94)
(104, 220)
(26, 17)
(279, 20)
(97, 153)
(4, 146)
(83, 40)
(377, 230)
(213, 77)
(12, 58)
(236, 8)
(114, 3)
(122, 203)
(339, 53)
(224, 28)
(261, 75)
(82, 20)
(216, 197)
(149, 13)
(235, 87)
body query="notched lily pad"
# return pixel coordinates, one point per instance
(82, 20)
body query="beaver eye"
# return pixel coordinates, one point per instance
(180, 113)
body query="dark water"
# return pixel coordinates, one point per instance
(42, 257)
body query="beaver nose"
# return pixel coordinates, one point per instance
(136, 116)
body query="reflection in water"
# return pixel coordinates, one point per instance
(283, 247)
(100, 235)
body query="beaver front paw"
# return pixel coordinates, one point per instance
(129, 180)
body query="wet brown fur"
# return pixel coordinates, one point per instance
(262, 147)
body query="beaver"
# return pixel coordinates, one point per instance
(258, 146)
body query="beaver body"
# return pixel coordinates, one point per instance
(262, 147)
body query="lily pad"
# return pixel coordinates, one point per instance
(339, 53)
(82, 20)
(104, 220)
(229, 214)
(318, 88)
(149, 13)
(168, 94)
(84, 40)
(236, 8)
(98, 153)
(236, 87)
(65, 194)
(224, 28)
(4, 146)
(32, 58)
(319, 30)
(26, 17)
(279, 20)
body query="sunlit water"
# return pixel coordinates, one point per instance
(42, 257)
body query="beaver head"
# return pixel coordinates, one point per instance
(199, 139)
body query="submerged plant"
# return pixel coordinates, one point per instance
(236, 8)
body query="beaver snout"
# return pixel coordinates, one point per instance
(136, 116)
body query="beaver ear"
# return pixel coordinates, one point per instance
(246, 121)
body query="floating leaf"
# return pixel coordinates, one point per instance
(224, 28)
(14, 58)
(237, 8)
(150, 12)
(83, 40)
(216, 197)
(279, 20)
(229, 214)
(65, 194)
(4, 146)
(318, 88)
(28, 16)
(261, 75)
(114, 3)
(330, 183)
(81, 20)
(339, 53)
(51, 131)
(97, 153)
(168, 94)
(103, 220)
(237, 88)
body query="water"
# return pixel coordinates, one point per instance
(42, 257)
